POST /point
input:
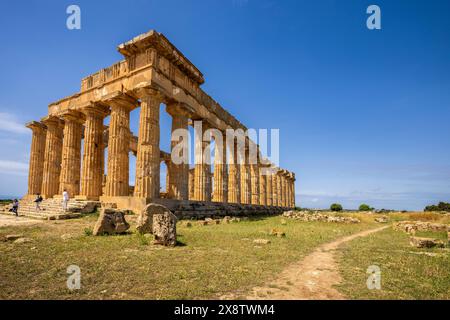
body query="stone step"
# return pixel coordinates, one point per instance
(52, 209)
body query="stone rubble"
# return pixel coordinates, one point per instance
(110, 221)
(413, 226)
(419, 242)
(306, 216)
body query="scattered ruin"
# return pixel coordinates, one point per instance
(153, 72)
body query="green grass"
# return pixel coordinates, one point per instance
(406, 272)
(209, 262)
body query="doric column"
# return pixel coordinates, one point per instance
(234, 190)
(269, 192)
(148, 153)
(293, 190)
(71, 153)
(278, 189)
(220, 172)
(202, 184)
(254, 178)
(93, 167)
(117, 179)
(262, 186)
(36, 157)
(52, 157)
(192, 184)
(178, 184)
(245, 178)
(282, 189)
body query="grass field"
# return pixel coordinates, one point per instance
(406, 272)
(212, 260)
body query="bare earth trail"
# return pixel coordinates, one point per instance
(12, 221)
(312, 278)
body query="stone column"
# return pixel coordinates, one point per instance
(52, 157)
(117, 179)
(262, 186)
(269, 190)
(293, 189)
(202, 184)
(283, 188)
(234, 190)
(220, 172)
(36, 157)
(254, 178)
(245, 179)
(148, 153)
(279, 195)
(178, 185)
(94, 153)
(71, 153)
(192, 184)
(274, 188)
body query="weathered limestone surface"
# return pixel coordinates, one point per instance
(71, 153)
(93, 157)
(254, 174)
(36, 157)
(165, 227)
(178, 182)
(262, 187)
(52, 158)
(269, 190)
(191, 184)
(202, 178)
(110, 221)
(234, 190)
(145, 217)
(118, 147)
(148, 155)
(220, 173)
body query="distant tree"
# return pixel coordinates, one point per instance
(336, 207)
(365, 207)
(442, 206)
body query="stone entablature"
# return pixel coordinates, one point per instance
(154, 71)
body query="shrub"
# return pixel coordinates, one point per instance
(442, 206)
(336, 207)
(88, 231)
(365, 207)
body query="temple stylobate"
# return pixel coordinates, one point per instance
(68, 145)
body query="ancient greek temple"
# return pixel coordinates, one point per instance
(68, 145)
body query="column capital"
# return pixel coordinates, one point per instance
(52, 121)
(120, 99)
(94, 108)
(36, 126)
(72, 115)
(179, 108)
(142, 92)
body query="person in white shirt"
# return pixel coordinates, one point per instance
(65, 200)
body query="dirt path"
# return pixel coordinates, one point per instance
(10, 220)
(311, 278)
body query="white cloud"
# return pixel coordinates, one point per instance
(13, 168)
(9, 123)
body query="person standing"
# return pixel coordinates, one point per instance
(16, 207)
(38, 201)
(65, 200)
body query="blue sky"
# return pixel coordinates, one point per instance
(363, 115)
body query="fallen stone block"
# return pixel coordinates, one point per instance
(110, 221)
(419, 242)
